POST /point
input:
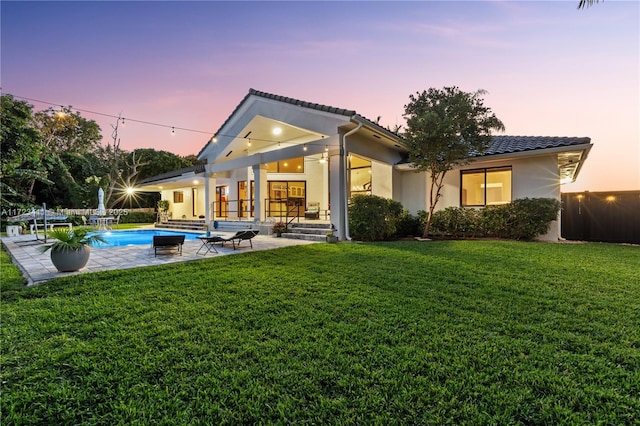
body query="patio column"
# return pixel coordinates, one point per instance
(338, 191)
(261, 192)
(209, 196)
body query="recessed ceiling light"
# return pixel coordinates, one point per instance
(277, 130)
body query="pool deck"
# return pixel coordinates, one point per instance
(37, 266)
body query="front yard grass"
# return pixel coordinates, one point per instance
(447, 332)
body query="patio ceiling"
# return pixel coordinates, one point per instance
(263, 134)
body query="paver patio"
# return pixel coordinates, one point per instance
(37, 266)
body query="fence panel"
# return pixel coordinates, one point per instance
(601, 216)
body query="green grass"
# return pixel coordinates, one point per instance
(11, 279)
(448, 332)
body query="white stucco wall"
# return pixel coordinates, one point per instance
(381, 179)
(186, 207)
(532, 177)
(410, 188)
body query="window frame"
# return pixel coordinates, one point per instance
(485, 170)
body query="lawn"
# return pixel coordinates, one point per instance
(448, 332)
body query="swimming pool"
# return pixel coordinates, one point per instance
(137, 237)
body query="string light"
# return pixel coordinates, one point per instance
(248, 142)
(214, 139)
(326, 148)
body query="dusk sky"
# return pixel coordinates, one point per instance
(549, 68)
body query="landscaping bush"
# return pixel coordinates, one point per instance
(522, 219)
(456, 222)
(372, 218)
(138, 217)
(408, 225)
(530, 217)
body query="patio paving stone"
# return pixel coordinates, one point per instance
(37, 267)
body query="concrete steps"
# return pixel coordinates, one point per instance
(182, 224)
(308, 231)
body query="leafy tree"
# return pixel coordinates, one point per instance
(444, 127)
(63, 134)
(20, 149)
(159, 162)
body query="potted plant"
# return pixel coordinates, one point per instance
(71, 250)
(163, 210)
(331, 237)
(279, 228)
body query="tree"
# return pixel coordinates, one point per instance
(586, 3)
(444, 128)
(20, 150)
(64, 134)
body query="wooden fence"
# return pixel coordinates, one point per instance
(601, 216)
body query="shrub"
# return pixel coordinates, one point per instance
(408, 225)
(522, 219)
(530, 217)
(371, 218)
(138, 217)
(456, 222)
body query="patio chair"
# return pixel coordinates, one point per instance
(240, 236)
(313, 211)
(167, 242)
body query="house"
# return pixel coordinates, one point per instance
(274, 156)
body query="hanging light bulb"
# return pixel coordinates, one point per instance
(173, 131)
(60, 113)
(326, 148)
(123, 121)
(304, 147)
(248, 142)
(214, 139)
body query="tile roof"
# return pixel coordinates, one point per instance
(304, 104)
(513, 144)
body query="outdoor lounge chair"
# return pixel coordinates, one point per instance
(168, 242)
(240, 236)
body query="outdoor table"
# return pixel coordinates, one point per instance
(104, 222)
(208, 243)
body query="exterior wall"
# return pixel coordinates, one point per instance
(178, 210)
(531, 177)
(410, 189)
(382, 179)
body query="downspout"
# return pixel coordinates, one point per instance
(346, 180)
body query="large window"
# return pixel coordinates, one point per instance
(292, 165)
(359, 175)
(286, 198)
(485, 187)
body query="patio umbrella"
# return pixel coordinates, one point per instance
(101, 210)
(36, 215)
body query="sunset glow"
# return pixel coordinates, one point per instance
(549, 68)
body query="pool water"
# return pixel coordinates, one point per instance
(136, 237)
